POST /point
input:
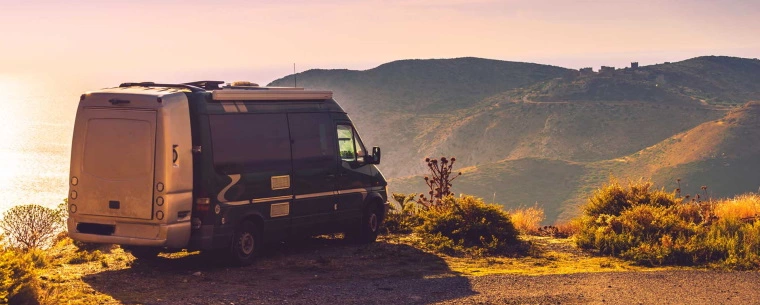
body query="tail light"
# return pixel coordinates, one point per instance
(202, 204)
(201, 207)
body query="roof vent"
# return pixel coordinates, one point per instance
(243, 83)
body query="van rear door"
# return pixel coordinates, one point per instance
(116, 162)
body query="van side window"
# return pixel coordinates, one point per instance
(313, 143)
(250, 142)
(346, 147)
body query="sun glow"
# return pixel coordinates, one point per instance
(35, 138)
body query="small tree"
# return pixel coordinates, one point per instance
(439, 181)
(31, 226)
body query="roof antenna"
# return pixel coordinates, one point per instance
(295, 77)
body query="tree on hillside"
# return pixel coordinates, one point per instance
(31, 226)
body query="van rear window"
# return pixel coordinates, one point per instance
(118, 148)
(250, 142)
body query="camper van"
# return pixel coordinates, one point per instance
(218, 167)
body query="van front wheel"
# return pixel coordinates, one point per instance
(370, 227)
(245, 244)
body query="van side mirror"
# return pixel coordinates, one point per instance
(375, 157)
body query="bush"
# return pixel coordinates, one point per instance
(613, 198)
(31, 226)
(527, 220)
(18, 281)
(467, 225)
(656, 228)
(81, 257)
(402, 219)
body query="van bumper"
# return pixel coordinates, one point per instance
(173, 236)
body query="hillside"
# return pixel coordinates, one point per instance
(722, 155)
(535, 133)
(708, 79)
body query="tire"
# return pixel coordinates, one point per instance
(370, 226)
(245, 245)
(143, 253)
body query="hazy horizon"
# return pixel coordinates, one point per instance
(90, 43)
(53, 51)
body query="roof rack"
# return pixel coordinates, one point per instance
(152, 84)
(207, 84)
(269, 95)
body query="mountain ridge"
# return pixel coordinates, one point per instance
(519, 125)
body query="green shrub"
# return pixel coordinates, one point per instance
(656, 228)
(467, 225)
(83, 256)
(39, 258)
(402, 219)
(613, 198)
(18, 281)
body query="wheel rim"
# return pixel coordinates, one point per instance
(373, 222)
(246, 243)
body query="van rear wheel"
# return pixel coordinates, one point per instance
(245, 244)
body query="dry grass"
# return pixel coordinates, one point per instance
(551, 256)
(568, 228)
(742, 206)
(527, 220)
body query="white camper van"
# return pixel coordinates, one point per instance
(202, 166)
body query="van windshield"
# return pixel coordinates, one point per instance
(349, 144)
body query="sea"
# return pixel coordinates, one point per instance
(36, 124)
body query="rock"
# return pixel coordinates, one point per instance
(197, 273)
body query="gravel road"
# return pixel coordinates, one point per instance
(665, 287)
(656, 287)
(330, 271)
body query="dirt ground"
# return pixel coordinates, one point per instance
(328, 270)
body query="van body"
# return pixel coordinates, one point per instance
(198, 166)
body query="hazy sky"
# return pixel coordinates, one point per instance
(260, 40)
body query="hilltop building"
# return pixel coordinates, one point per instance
(586, 71)
(607, 70)
(634, 65)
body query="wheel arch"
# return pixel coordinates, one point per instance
(375, 200)
(253, 216)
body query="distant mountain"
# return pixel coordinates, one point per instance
(424, 86)
(527, 133)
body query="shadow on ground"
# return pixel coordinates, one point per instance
(316, 270)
